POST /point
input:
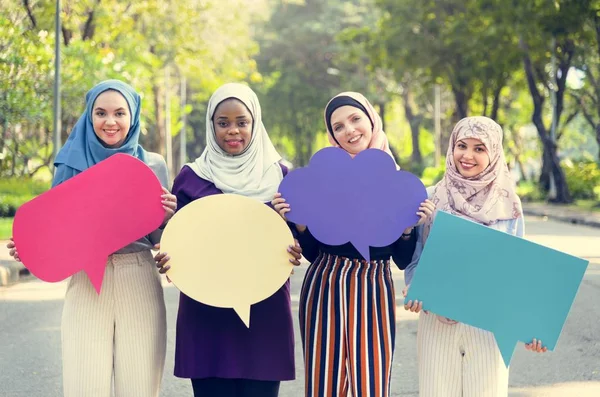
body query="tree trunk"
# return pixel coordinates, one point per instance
(90, 24)
(30, 14)
(496, 103)
(598, 139)
(414, 120)
(551, 164)
(157, 141)
(381, 107)
(484, 95)
(67, 36)
(550, 160)
(461, 100)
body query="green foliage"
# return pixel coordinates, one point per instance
(151, 44)
(18, 187)
(15, 192)
(5, 228)
(25, 97)
(529, 191)
(432, 175)
(583, 178)
(297, 54)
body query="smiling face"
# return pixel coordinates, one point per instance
(111, 119)
(471, 157)
(351, 129)
(233, 126)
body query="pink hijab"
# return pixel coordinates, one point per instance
(486, 198)
(379, 139)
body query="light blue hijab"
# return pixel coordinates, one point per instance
(83, 149)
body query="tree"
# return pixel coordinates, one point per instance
(153, 45)
(588, 62)
(300, 57)
(25, 94)
(435, 38)
(549, 39)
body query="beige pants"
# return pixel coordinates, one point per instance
(458, 361)
(120, 333)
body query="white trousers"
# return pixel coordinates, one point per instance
(117, 337)
(458, 361)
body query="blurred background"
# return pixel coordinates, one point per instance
(533, 66)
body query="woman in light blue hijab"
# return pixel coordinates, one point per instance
(119, 336)
(84, 148)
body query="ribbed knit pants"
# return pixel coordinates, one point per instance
(457, 360)
(348, 327)
(117, 337)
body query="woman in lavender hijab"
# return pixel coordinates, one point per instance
(456, 359)
(220, 355)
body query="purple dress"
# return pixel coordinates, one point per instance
(214, 342)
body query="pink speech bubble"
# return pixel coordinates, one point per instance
(79, 223)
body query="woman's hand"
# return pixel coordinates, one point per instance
(411, 306)
(161, 259)
(280, 205)
(296, 251)
(446, 320)
(13, 250)
(536, 346)
(169, 202)
(282, 208)
(426, 210)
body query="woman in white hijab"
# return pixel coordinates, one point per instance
(214, 348)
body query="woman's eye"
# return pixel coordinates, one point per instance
(222, 124)
(99, 114)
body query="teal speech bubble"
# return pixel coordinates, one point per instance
(514, 288)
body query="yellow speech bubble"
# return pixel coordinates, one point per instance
(228, 251)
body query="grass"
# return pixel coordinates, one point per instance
(5, 228)
(588, 205)
(581, 205)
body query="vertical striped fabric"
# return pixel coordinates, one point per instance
(121, 332)
(348, 327)
(457, 360)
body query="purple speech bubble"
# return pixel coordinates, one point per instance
(365, 200)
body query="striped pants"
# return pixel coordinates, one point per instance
(457, 360)
(117, 337)
(348, 327)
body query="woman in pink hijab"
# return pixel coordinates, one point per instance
(456, 359)
(347, 305)
(362, 117)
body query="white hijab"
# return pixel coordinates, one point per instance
(254, 173)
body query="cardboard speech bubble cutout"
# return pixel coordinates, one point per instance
(76, 225)
(365, 200)
(228, 251)
(514, 288)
